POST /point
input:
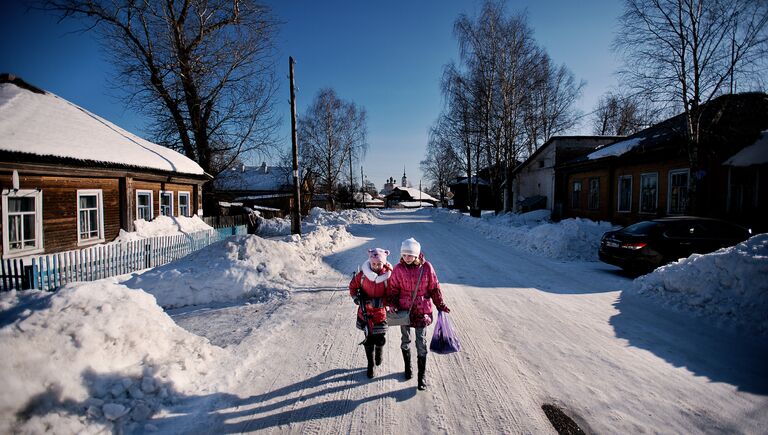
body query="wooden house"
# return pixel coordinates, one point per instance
(648, 174)
(408, 197)
(260, 186)
(71, 179)
(459, 190)
(534, 184)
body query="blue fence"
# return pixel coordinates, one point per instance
(52, 271)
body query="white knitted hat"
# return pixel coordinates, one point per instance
(410, 247)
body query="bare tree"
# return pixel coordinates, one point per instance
(503, 95)
(618, 115)
(331, 134)
(550, 103)
(202, 70)
(687, 52)
(441, 164)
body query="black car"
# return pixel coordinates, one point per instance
(646, 245)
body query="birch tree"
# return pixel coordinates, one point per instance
(331, 135)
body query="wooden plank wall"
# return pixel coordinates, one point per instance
(60, 204)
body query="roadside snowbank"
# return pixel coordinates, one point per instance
(244, 267)
(163, 226)
(317, 217)
(94, 354)
(570, 239)
(729, 286)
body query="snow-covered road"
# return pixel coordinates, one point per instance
(534, 331)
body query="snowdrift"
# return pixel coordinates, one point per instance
(163, 226)
(95, 355)
(728, 286)
(244, 267)
(317, 217)
(570, 239)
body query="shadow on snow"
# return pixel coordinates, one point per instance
(683, 340)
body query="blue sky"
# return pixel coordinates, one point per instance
(385, 56)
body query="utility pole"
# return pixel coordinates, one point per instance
(296, 209)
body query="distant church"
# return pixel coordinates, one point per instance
(389, 184)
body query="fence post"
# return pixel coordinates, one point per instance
(28, 278)
(147, 252)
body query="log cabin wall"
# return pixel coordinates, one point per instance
(59, 187)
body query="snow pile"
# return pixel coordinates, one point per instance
(163, 226)
(273, 227)
(244, 267)
(318, 216)
(570, 239)
(96, 357)
(729, 286)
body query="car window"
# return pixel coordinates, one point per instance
(725, 230)
(643, 228)
(679, 229)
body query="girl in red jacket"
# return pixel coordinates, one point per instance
(368, 288)
(414, 285)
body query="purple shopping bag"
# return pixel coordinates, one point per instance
(444, 338)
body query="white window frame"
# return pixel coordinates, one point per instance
(669, 188)
(160, 202)
(618, 191)
(39, 246)
(99, 210)
(656, 195)
(189, 204)
(151, 203)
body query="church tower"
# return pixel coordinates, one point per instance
(405, 179)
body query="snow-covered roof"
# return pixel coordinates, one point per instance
(475, 179)
(416, 194)
(44, 124)
(366, 198)
(255, 178)
(755, 154)
(616, 149)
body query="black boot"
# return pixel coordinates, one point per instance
(407, 361)
(378, 350)
(369, 356)
(421, 361)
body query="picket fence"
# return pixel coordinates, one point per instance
(53, 271)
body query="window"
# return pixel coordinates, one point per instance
(144, 205)
(625, 194)
(576, 194)
(742, 190)
(166, 203)
(184, 204)
(649, 192)
(22, 222)
(90, 220)
(678, 191)
(593, 201)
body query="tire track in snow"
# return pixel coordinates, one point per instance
(476, 370)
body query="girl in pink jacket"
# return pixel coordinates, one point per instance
(368, 288)
(414, 285)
